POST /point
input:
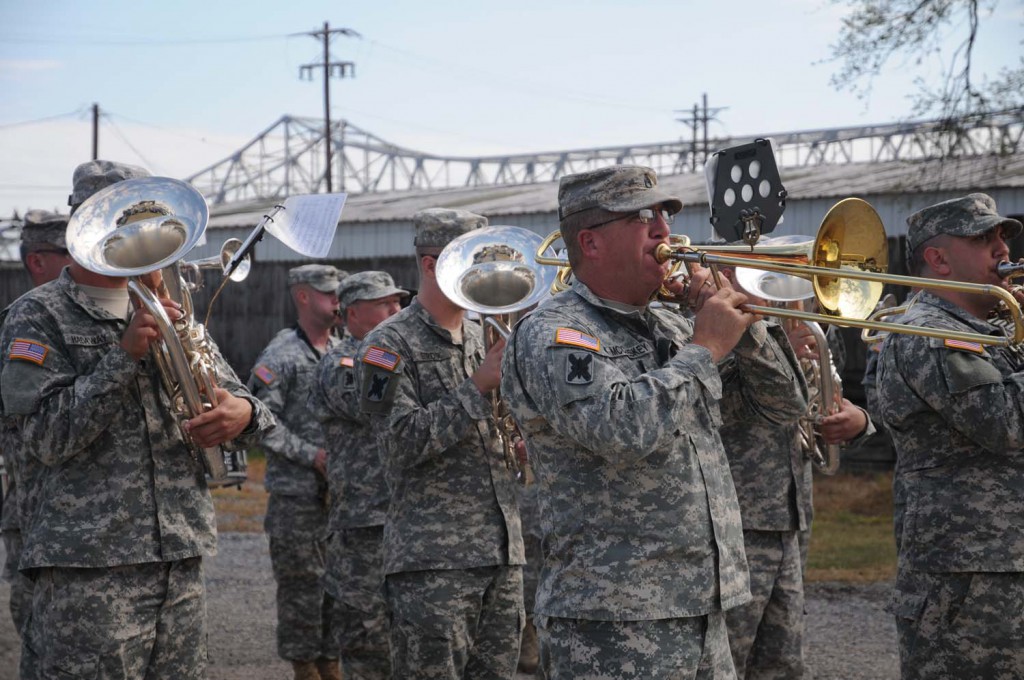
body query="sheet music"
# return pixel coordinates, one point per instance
(307, 223)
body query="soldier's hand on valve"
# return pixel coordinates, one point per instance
(702, 286)
(844, 425)
(143, 330)
(521, 454)
(488, 375)
(320, 463)
(223, 422)
(802, 339)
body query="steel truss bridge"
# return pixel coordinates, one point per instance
(288, 157)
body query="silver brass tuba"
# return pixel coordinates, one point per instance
(491, 272)
(140, 226)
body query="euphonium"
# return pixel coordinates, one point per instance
(141, 226)
(490, 271)
(824, 398)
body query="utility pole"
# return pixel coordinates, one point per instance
(698, 121)
(95, 131)
(330, 68)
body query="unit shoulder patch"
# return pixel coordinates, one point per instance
(579, 368)
(28, 350)
(575, 338)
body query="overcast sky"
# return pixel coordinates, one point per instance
(182, 84)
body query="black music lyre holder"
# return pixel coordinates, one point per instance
(747, 197)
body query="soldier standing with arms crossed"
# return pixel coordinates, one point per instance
(296, 520)
(359, 497)
(955, 410)
(618, 404)
(453, 547)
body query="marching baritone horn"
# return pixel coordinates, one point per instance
(140, 226)
(488, 271)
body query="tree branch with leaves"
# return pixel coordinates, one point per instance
(878, 32)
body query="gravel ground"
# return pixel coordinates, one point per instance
(849, 637)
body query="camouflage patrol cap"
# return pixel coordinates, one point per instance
(968, 216)
(437, 227)
(95, 175)
(322, 277)
(369, 285)
(618, 189)
(42, 229)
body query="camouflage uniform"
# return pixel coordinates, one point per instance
(121, 512)
(296, 521)
(773, 484)
(353, 574)
(453, 546)
(954, 418)
(643, 546)
(42, 232)
(954, 410)
(10, 525)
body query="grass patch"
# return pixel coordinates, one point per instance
(851, 539)
(243, 509)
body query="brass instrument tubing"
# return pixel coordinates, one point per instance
(665, 252)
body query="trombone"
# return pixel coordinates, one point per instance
(846, 265)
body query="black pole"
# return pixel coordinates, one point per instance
(95, 131)
(327, 106)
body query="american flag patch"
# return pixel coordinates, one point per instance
(570, 336)
(378, 356)
(964, 345)
(264, 374)
(27, 350)
(346, 362)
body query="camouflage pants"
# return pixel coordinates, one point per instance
(460, 623)
(21, 585)
(960, 625)
(531, 570)
(766, 634)
(355, 579)
(695, 648)
(296, 527)
(141, 620)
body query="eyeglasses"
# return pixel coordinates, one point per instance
(56, 251)
(645, 216)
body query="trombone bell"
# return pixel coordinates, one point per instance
(851, 238)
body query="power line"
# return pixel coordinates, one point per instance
(114, 42)
(46, 119)
(131, 146)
